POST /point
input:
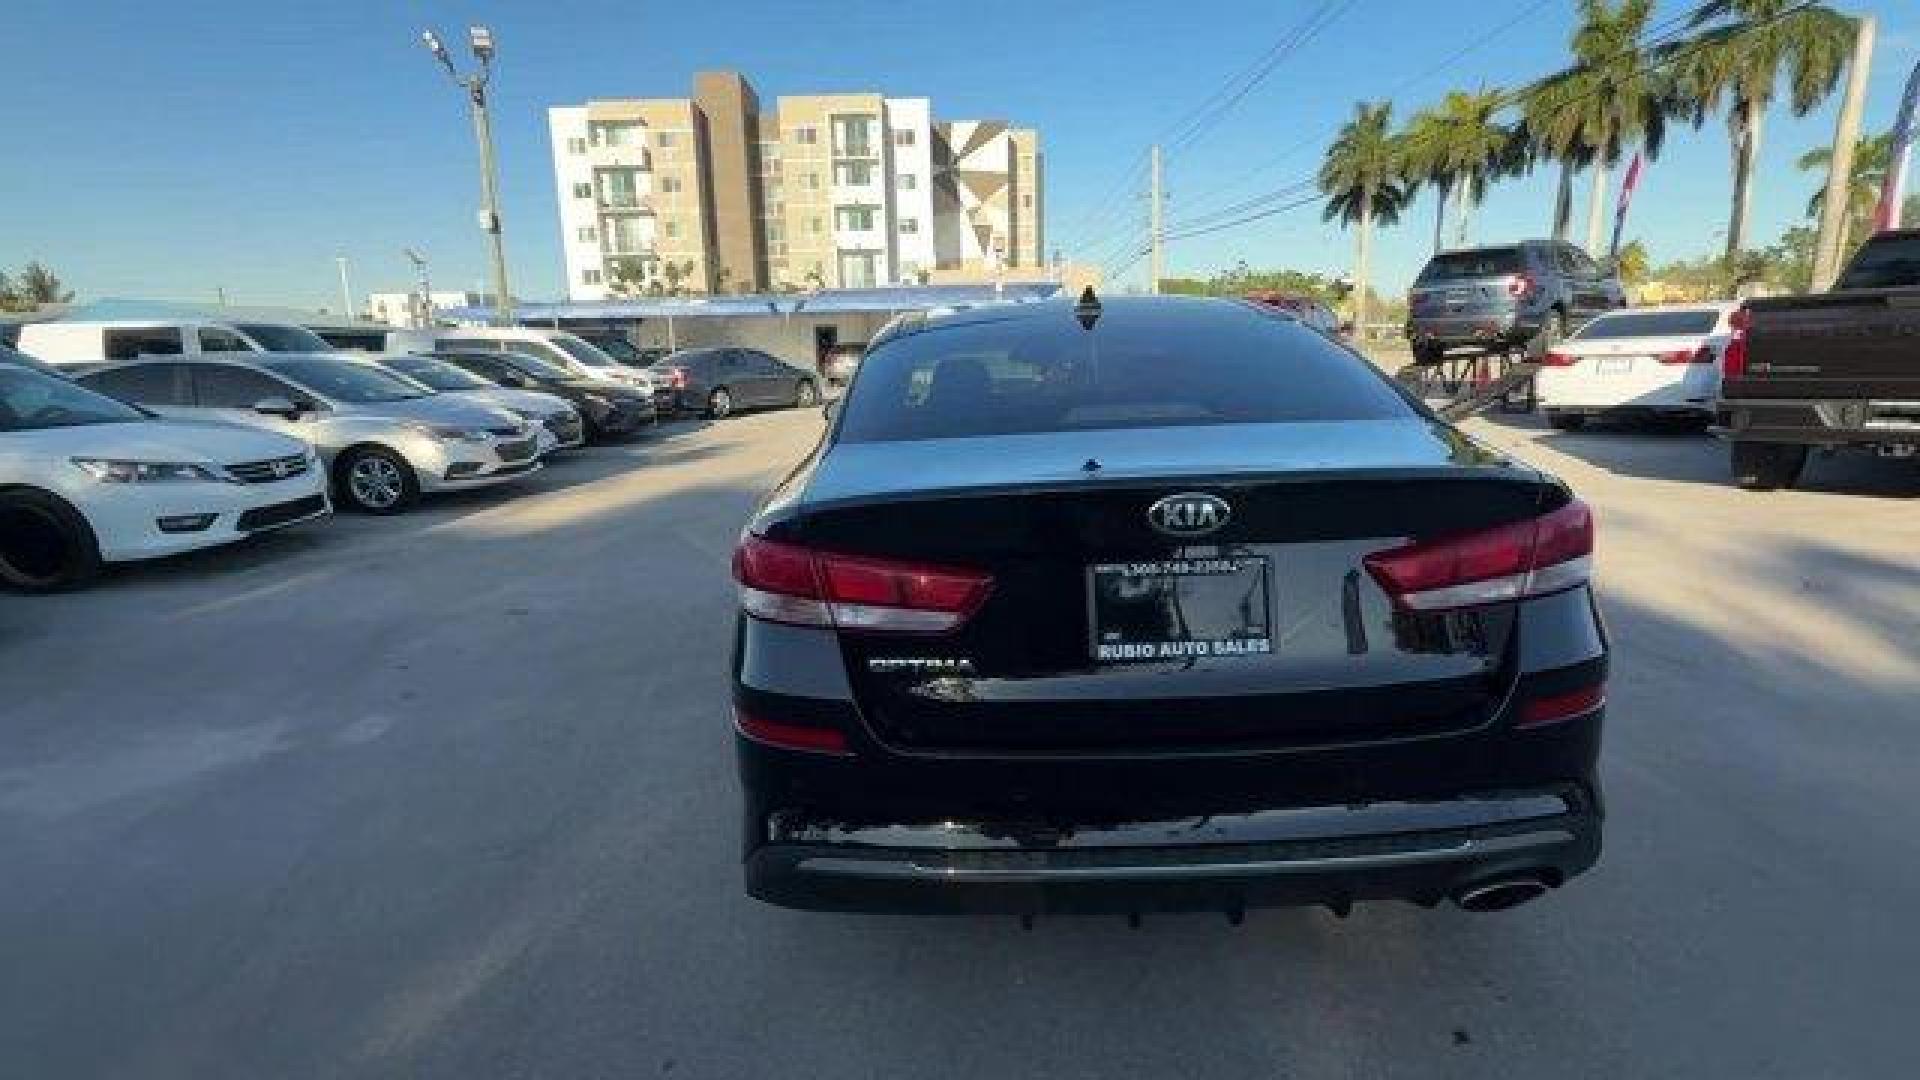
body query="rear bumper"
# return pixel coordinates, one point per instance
(1486, 328)
(1820, 422)
(1331, 855)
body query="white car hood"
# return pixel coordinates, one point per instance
(153, 440)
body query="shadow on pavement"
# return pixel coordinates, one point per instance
(1685, 454)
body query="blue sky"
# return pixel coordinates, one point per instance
(167, 150)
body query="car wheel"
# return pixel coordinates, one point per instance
(806, 394)
(376, 480)
(1759, 466)
(45, 545)
(1553, 330)
(719, 403)
(1566, 421)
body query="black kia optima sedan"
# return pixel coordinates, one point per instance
(1159, 604)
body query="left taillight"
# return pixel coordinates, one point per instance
(793, 584)
(1733, 362)
(1533, 557)
(1559, 359)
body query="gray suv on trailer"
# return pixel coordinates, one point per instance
(1493, 298)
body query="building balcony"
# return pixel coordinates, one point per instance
(625, 204)
(620, 157)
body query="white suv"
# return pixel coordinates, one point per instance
(87, 480)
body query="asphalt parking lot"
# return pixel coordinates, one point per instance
(452, 795)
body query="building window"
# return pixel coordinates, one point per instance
(590, 276)
(624, 236)
(806, 136)
(614, 133)
(775, 232)
(588, 235)
(853, 173)
(853, 136)
(576, 146)
(813, 181)
(857, 270)
(908, 181)
(665, 139)
(903, 137)
(813, 225)
(1026, 200)
(670, 229)
(853, 218)
(619, 187)
(669, 184)
(583, 191)
(909, 226)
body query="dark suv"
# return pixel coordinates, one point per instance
(1494, 298)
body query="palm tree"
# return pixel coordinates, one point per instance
(1613, 99)
(1550, 129)
(1871, 159)
(1457, 146)
(1364, 179)
(1740, 58)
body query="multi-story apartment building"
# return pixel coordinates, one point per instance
(712, 194)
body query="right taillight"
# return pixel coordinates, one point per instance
(1559, 359)
(1540, 555)
(1733, 360)
(792, 584)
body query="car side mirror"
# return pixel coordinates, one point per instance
(283, 407)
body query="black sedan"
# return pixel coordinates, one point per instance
(1038, 628)
(721, 381)
(611, 410)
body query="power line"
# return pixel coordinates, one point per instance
(1455, 57)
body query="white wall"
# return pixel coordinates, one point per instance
(911, 250)
(581, 255)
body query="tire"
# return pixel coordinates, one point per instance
(1566, 421)
(1553, 330)
(45, 545)
(376, 480)
(806, 394)
(719, 403)
(1759, 466)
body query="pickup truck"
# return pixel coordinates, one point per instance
(1830, 370)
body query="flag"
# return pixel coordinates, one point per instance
(1627, 188)
(1893, 191)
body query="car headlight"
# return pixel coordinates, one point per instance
(113, 471)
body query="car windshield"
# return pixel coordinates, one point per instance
(1024, 374)
(348, 381)
(282, 337)
(581, 351)
(620, 349)
(1693, 322)
(32, 401)
(1460, 265)
(437, 374)
(544, 370)
(1890, 263)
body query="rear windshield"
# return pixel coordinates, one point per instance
(1633, 324)
(1892, 263)
(1178, 366)
(1460, 265)
(280, 337)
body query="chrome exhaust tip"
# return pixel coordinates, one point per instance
(1500, 895)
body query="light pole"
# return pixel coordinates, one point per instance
(419, 262)
(475, 85)
(346, 291)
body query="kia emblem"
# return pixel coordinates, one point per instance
(1189, 513)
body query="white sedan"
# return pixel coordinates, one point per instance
(86, 480)
(1637, 363)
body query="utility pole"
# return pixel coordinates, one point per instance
(1833, 210)
(419, 262)
(481, 39)
(346, 291)
(1156, 240)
